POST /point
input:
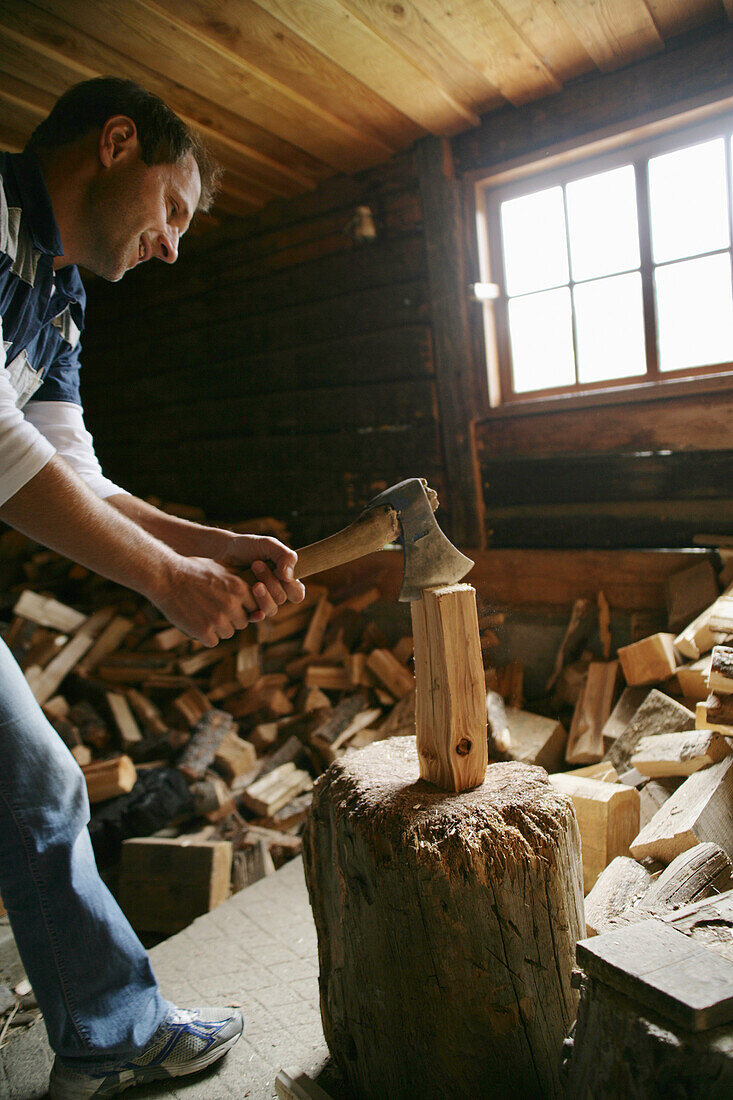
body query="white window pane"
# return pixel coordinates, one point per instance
(689, 212)
(540, 327)
(535, 248)
(604, 235)
(695, 313)
(609, 323)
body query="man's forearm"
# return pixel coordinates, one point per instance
(57, 509)
(189, 539)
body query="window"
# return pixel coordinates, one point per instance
(615, 270)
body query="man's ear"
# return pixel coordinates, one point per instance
(117, 140)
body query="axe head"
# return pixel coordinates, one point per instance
(430, 558)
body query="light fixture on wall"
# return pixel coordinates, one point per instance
(362, 226)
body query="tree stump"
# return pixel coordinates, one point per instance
(446, 927)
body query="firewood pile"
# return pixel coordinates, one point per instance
(197, 754)
(210, 755)
(652, 728)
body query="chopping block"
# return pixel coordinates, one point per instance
(446, 926)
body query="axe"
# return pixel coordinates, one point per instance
(404, 512)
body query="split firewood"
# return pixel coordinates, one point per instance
(650, 660)
(316, 631)
(48, 612)
(693, 679)
(721, 614)
(701, 872)
(700, 809)
(608, 819)
(267, 795)
(123, 719)
(212, 799)
(679, 753)
(109, 778)
(534, 739)
(626, 707)
(207, 735)
(396, 678)
(404, 650)
(652, 797)
(720, 679)
(618, 888)
(192, 706)
(714, 714)
(603, 770)
(657, 714)
(234, 756)
(247, 662)
(108, 641)
(331, 741)
(699, 636)
(46, 682)
(251, 862)
(585, 739)
(168, 639)
(582, 621)
(328, 677)
(147, 712)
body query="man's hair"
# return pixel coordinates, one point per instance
(163, 137)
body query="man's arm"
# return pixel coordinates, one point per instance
(200, 596)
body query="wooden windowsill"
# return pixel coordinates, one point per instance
(617, 395)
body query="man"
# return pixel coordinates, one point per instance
(110, 179)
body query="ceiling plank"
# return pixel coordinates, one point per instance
(404, 26)
(671, 17)
(160, 46)
(244, 30)
(615, 32)
(335, 32)
(542, 26)
(49, 46)
(482, 31)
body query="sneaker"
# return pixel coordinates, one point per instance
(188, 1041)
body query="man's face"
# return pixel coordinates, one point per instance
(138, 212)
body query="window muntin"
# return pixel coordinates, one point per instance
(604, 279)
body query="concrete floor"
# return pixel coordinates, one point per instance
(256, 951)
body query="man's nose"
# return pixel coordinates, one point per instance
(166, 245)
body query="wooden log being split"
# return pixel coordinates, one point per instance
(446, 927)
(449, 676)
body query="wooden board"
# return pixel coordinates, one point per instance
(608, 819)
(662, 968)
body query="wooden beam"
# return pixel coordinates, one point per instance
(456, 378)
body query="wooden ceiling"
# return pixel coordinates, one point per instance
(288, 92)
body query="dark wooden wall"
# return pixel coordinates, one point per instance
(280, 368)
(283, 368)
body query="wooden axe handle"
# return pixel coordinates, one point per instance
(371, 531)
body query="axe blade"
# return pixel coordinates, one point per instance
(430, 558)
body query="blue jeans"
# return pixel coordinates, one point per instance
(90, 973)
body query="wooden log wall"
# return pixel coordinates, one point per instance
(282, 367)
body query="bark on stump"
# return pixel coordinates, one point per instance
(446, 927)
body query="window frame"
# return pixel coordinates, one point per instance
(634, 146)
